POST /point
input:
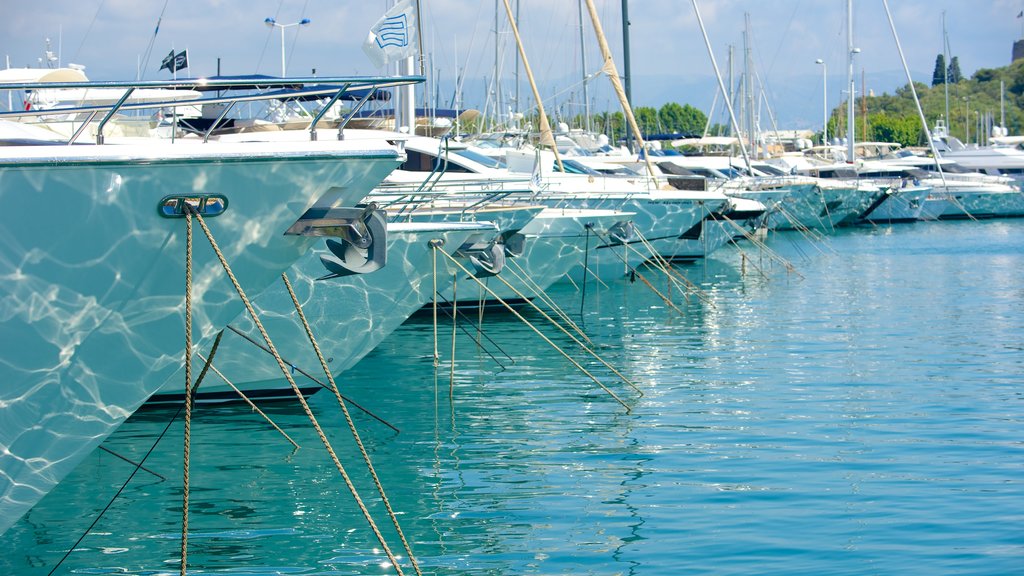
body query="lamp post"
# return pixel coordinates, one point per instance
(273, 24)
(824, 100)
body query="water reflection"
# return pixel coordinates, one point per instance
(862, 416)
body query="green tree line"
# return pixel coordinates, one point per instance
(894, 118)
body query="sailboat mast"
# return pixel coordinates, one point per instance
(583, 65)
(518, 103)
(731, 95)
(748, 82)
(913, 91)
(721, 85)
(945, 63)
(613, 74)
(497, 64)
(626, 76)
(850, 155)
(1002, 104)
(546, 137)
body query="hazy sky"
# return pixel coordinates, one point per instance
(669, 59)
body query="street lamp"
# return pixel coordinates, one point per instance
(824, 99)
(270, 22)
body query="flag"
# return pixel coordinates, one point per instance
(535, 177)
(393, 37)
(175, 62)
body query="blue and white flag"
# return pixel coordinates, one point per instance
(536, 181)
(393, 37)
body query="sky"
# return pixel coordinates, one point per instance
(118, 39)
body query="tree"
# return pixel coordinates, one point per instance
(683, 119)
(939, 74)
(954, 70)
(646, 119)
(903, 129)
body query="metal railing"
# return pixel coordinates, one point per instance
(331, 88)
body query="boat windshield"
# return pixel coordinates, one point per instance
(574, 167)
(479, 158)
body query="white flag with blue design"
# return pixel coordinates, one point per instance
(393, 37)
(536, 182)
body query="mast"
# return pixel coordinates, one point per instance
(497, 65)
(945, 63)
(721, 86)
(917, 101)
(609, 69)
(1002, 105)
(517, 63)
(627, 77)
(748, 82)
(850, 154)
(583, 65)
(546, 137)
(731, 96)
(863, 106)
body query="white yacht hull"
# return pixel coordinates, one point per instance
(976, 202)
(349, 315)
(93, 278)
(901, 205)
(809, 206)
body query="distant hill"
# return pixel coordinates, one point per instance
(973, 104)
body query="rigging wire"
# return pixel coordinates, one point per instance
(152, 40)
(89, 29)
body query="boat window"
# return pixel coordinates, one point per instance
(418, 161)
(612, 171)
(707, 173)
(573, 167)
(479, 158)
(424, 162)
(732, 172)
(770, 170)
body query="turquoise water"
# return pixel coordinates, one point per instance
(864, 415)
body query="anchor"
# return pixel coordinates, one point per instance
(487, 259)
(356, 238)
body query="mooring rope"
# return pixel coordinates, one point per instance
(828, 213)
(455, 316)
(138, 466)
(188, 388)
(635, 273)
(434, 244)
(357, 405)
(760, 244)
(573, 338)
(817, 239)
(351, 426)
(586, 261)
(659, 263)
(632, 270)
(482, 333)
(305, 406)
(520, 274)
(252, 404)
(538, 332)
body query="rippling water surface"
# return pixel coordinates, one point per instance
(862, 415)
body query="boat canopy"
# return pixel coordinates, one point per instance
(26, 75)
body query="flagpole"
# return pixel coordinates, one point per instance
(419, 38)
